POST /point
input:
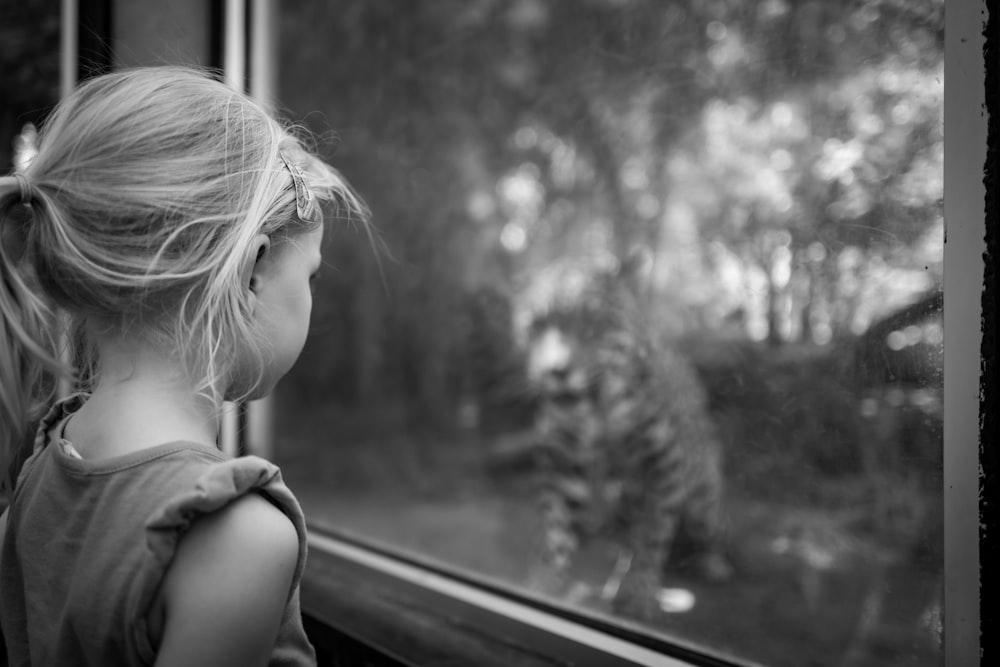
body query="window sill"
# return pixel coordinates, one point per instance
(376, 608)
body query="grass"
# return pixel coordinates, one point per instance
(812, 588)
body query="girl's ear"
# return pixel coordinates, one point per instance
(253, 273)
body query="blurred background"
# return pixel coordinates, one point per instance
(773, 170)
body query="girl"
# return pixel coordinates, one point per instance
(172, 228)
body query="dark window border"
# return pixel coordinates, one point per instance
(413, 611)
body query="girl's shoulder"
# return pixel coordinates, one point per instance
(243, 492)
(181, 523)
(163, 490)
(230, 580)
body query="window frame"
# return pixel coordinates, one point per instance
(402, 610)
(965, 293)
(405, 606)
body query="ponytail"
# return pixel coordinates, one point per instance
(29, 356)
(134, 216)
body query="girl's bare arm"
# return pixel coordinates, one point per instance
(227, 587)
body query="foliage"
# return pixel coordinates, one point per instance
(790, 438)
(774, 168)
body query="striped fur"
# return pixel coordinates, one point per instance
(625, 450)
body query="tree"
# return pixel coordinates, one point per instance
(497, 141)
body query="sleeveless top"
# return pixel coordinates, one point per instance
(88, 543)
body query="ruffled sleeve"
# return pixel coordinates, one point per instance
(217, 485)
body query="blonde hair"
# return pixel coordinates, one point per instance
(146, 193)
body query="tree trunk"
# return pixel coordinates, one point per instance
(773, 295)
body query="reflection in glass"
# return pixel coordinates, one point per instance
(658, 332)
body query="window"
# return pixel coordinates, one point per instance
(757, 186)
(752, 195)
(32, 84)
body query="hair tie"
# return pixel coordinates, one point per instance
(23, 185)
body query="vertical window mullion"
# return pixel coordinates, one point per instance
(247, 64)
(69, 56)
(257, 433)
(233, 73)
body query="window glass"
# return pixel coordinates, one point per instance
(29, 88)
(652, 327)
